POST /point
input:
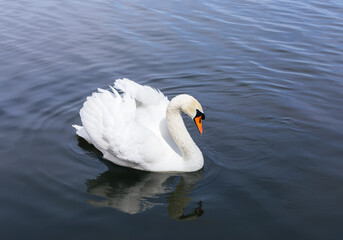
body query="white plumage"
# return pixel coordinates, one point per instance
(132, 130)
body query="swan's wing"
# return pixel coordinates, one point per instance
(151, 105)
(107, 119)
(151, 109)
(125, 126)
(145, 95)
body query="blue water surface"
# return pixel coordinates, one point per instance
(269, 75)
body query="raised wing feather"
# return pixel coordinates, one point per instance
(143, 94)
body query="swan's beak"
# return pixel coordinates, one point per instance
(198, 122)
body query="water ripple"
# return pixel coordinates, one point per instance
(268, 74)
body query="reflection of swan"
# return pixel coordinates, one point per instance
(141, 129)
(133, 191)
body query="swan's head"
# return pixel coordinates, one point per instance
(193, 109)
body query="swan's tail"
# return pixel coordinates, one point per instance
(80, 131)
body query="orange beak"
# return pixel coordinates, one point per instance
(198, 122)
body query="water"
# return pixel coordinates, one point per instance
(269, 75)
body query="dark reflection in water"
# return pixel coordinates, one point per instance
(132, 191)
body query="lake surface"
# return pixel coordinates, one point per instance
(269, 75)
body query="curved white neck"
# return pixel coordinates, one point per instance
(190, 151)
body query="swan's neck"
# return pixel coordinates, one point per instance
(191, 154)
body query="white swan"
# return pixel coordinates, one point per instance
(141, 129)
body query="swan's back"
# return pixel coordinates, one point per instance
(129, 129)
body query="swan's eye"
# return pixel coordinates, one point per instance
(200, 114)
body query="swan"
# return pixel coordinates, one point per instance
(141, 128)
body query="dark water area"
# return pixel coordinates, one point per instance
(269, 75)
